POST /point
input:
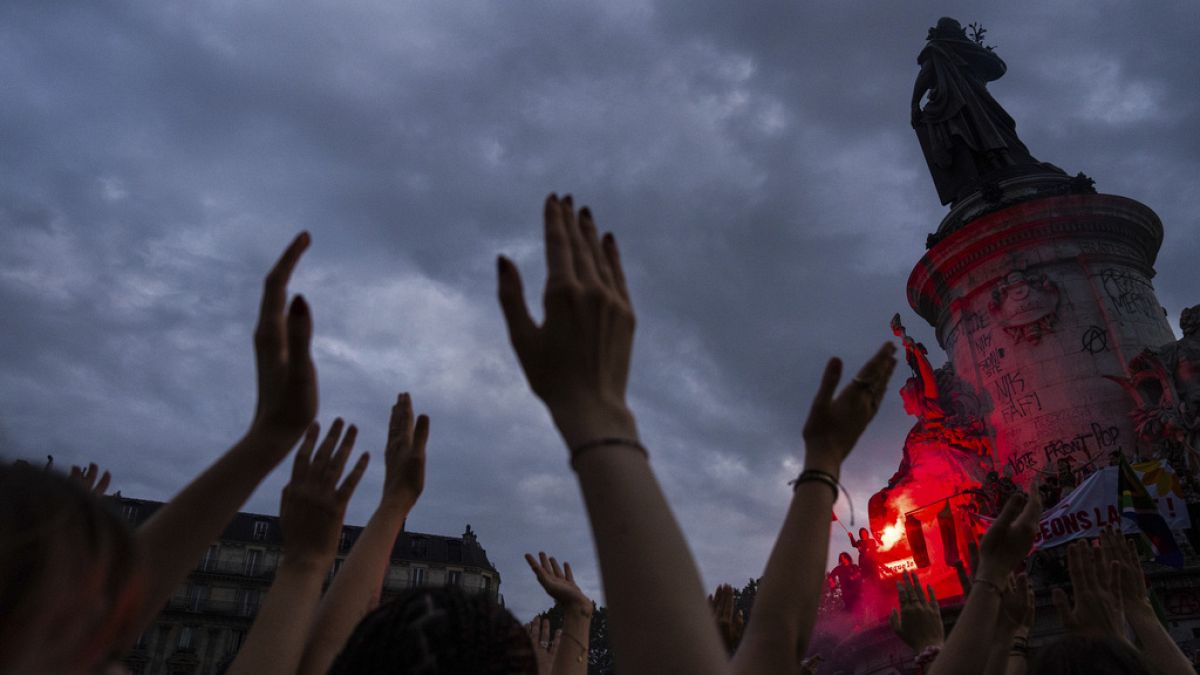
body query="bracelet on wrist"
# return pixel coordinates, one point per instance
(583, 649)
(581, 448)
(818, 476)
(988, 583)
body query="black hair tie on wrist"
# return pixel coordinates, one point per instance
(818, 476)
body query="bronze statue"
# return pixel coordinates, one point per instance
(966, 135)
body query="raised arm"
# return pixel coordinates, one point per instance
(1009, 649)
(356, 588)
(789, 594)
(571, 652)
(918, 621)
(87, 478)
(1005, 545)
(1157, 646)
(310, 514)
(171, 541)
(577, 362)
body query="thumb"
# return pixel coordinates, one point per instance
(512, 302)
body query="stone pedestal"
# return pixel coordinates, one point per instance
(1036, 302)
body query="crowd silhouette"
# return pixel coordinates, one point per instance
(79, 586)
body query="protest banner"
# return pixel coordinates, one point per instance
(1082, 513)
(1092, 506)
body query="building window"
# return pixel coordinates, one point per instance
(130, 513)
(337, 566)
(196, 595)
(454, 578)
(253, 558)
(211, 555)
(344, 541)
(417, 577)
(260, 530)
(486, 584)
(185, 637)
(419, 546)
(236, 640)
(249, 603)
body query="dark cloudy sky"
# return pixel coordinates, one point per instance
(754, 159)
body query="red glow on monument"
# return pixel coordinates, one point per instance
(892, 534)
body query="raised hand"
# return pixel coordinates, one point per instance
(287, 379)
(405, 456)
(310, 514)
(1160, 649)
(87, 478)
(545, 644)
(577, 361)
(835, 422)
(730, 621)
(918, 622)
(1128, 572)
(1097, 608)
(313, 504)
(559, 582)
(355, 590)
(1009, 539)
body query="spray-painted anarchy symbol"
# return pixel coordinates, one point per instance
(1095, 340)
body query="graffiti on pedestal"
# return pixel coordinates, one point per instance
(1021, 462)
(1129, 293)
(991, 363)
(1098, 441)
(1094, 340)
(1017, 400)
(1025, 305)
(1164, 384)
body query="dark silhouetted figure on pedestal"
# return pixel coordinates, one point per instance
(966, 135)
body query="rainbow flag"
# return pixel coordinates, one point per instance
(1137, 505)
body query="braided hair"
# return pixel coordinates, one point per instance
(438, 631)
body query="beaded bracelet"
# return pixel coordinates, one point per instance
(600, 442)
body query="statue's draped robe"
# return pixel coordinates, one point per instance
(964, 132)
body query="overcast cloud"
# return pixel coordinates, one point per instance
(754, 159)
